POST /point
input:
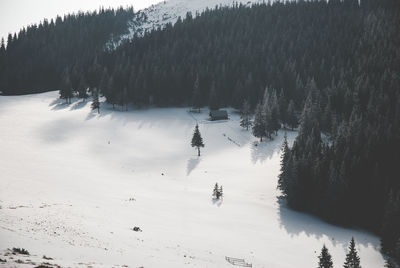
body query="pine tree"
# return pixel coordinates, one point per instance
(82, 88)
(352, 259)
(245, 116)
(213, 102)
(397, 250)
(95, 103)
(325, 259)
(196, 97)
(291, 115)
(274, 110)
(285, 155)
(389, 263)
(283, 107)
(197, 140)
(66, 91)
(217, 192)
(259, 123)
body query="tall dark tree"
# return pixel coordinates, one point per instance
(82, 89)
(352, 259)
(95, 102)
(259, 123)
(197, 140)
(66, 91)
(196, 97)
(285, 156)
(291, 117)
(245, 115)
(325, 259)
(213, 100)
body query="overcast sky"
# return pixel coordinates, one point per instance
(15, 14)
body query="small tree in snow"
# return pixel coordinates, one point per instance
(217, 192)
(197, 140)
(352, 259)
(325, 259)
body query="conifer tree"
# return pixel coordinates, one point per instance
(82, 88)
(213, 101)
(285, 155)
(352, 259)
(291, 115)
(66, 91)
(95, 103)
(245, 115)
(283, 107)
(196, 97)
(259, 123)
(274, 110)
(325, 259)
(197, 140)
(389, 263)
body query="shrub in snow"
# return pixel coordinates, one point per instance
(20, 251)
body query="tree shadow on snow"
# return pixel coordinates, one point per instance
(296, 223)
(58, 104)
(78, 105)
(192, 163)
(261, 151)
(217, 201)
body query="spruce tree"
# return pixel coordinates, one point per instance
(196, 97)
(82, 88)
(217, 192)
(352, 259)
(259, 123)
(325, 259)
(285, 155)
(213, 101)
(291, 115)
(95, 103)
(389, 263)
(283, 107)
(245, 115)
(66, 91)
(197, 140)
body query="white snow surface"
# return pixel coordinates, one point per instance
(73, 184)
(168, 11)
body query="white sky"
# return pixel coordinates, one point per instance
(15, 14)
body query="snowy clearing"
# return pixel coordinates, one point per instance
(74, 184)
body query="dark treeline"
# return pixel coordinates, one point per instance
(336, 61)
(34, 59)
(351, 176)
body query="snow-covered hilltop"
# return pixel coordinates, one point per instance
(169, 11)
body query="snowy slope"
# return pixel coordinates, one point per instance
(168, 12)
(73, 184)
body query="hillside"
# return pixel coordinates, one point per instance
(75, 183)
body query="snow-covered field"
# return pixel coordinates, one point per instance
(73, 184)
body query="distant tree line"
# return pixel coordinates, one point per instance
(41, 57)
